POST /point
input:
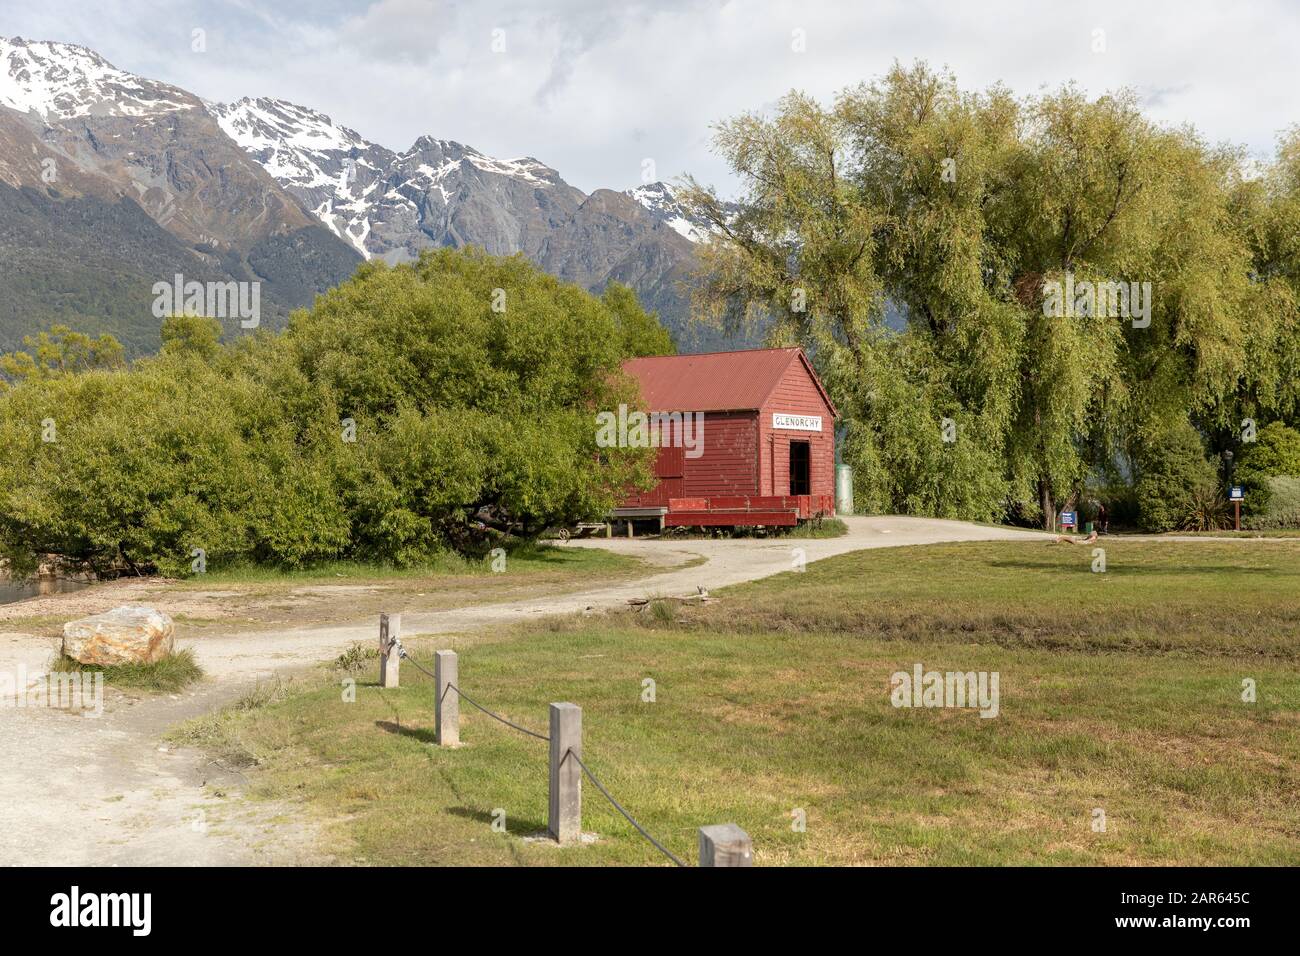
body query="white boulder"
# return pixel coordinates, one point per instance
(124, 635)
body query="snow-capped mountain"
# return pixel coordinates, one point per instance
(293, 143)
(384, 203)
(329, 167)
(131, 179)
(662, 203)
(390, 205)
(110, 183)
(61, 80)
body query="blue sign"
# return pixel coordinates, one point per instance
(1067, 518)
(1237, 494)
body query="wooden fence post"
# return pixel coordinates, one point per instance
(390, 630)
(725, 844)
(447, 726)
(564, 817)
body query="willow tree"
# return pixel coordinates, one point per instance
(911, 235)
(1266, 208)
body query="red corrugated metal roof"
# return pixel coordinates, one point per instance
(714, 381)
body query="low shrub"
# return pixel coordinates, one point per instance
(1283, 509)
(398, 419)
(1176, 484)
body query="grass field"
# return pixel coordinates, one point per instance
(1229, 533)
(1120, 692)
(526, 558)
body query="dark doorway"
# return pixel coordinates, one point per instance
(800, 457)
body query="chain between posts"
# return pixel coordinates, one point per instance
(403, 655)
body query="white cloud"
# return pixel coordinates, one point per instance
(594, 88)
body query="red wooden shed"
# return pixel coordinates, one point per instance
(766, 454)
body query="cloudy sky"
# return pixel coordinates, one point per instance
(596, 87)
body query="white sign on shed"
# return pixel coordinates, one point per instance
(798, 423)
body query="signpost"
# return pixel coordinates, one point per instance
(1069, 519)
(1236, 494)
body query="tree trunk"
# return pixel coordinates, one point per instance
(1049, 506)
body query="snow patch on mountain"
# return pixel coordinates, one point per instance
(662, 203)
(62, 80)
(283, 168)
(295, 144)
(526, 168)
(372, 197)
(332, 168)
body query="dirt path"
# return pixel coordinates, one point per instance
(82, 791)
(708, 564)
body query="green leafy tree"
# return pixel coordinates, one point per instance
(911, 234)
(195, 334)
(1275, 453)
(1175, 479)
(494, 371)
(61, 351)
(1265, 208)
(449, 403)
(642, 334)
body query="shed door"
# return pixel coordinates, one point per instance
(800, 468)
(670, 468)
